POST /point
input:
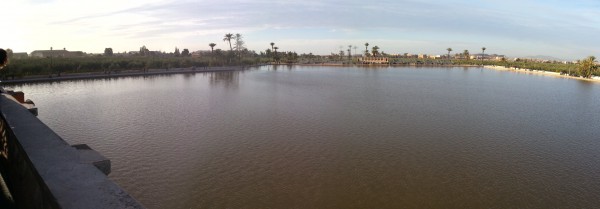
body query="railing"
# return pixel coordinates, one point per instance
(41, 170)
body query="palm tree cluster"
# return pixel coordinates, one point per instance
(375, 51)
(238, 45)
(272, 53)
(587, 67)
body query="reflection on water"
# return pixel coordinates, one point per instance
(189, 76)
(339, 137)
(227, 78)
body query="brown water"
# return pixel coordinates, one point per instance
(323, 137)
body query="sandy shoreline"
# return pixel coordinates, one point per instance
(82, 76)
(381, 65)
(540, 72)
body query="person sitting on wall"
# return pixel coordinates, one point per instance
(3, 58)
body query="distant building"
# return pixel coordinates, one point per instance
(374, 60)
(414, 56)
(196, 54)
(488, 57)
(497, 57)
(56, 53)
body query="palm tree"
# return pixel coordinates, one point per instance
(275, 51)
(212, 47)
(212, 52)
(272, 53)
(228, 38)
(449, 50)
(587, 66)
(366, 48)
(375, 51)
(350, 51)
(482, 53)
(466, 54)
(355, 47)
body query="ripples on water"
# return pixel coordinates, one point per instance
(322, 137)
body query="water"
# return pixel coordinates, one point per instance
(331, 137)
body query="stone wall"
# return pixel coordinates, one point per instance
(41, 170)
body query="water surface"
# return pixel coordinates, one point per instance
(328, 137)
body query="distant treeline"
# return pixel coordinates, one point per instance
(105, 64)
(572, 69)
(56, 66)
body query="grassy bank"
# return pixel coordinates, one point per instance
(562, 68)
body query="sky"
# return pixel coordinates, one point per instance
(567, 30)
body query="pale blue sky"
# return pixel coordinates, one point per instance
(563, 29)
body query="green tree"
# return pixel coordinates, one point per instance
(9, 53)
(108, 52)
(272, 45)
(177, 53)
(466, 54)
(367, 49)
(185, 53)
(587, 67)
(144, 51)
(268, 53)
(276, 56)
(218, 53)
(449, 50)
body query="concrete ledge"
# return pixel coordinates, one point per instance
(90, 156)
(43, 171)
